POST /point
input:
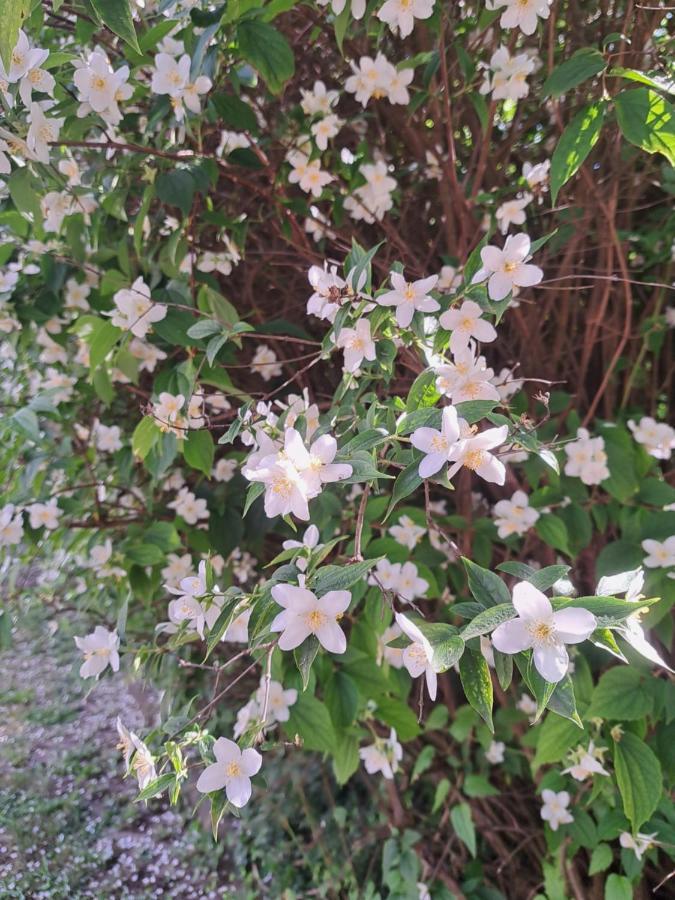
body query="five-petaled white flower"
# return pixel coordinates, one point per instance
(436, 445)
(135, 311)
(304, 613)
(357, 344)
(538, 627)
(46, 514)
(407, 532)
(473, 452)
(508, 267)
(660, 554)
(466, 322)
(409, 297)
(232, 770)
(554, 809)
(100, 649)
(523, 14)
(401, 14)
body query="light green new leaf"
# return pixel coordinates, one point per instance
(575, 143)
(647, 120)
(460, 816)
(198, 450)
(14, 13)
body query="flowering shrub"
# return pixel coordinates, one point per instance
(335, 373)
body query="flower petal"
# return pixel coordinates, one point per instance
(573, 625)
(511, 637)
(530, 602)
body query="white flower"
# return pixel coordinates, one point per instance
(265, 363)
(371, 201)
(318, 101)
(382, 756)
(660, 554)
(237, 630)
(100, 649)
(409, 297)
(639, 843)
(586, 458)
(42, 132)
(409, 585)
(401, 14)
(224, 469)
(135, 311)
(232, 770)
(177, 568)
(107, 438)
(527, 705)
(188, 507)
(514, 516)
(523, 14)
(328, 288)
(554, 809)
(474, 454)
(11, 525)
(36, 78)
(308, 175)
(586, 764)
(100, 88)
(467, 377)
(325, 129)
(392, 655)
(357, 344)
(406, 532)
(23, 59)
(417, 656)
(304, 614)
(310, 541)
(509, 75)
(657, 438)
(46, 514)
(466, 322)
(508, 267)
(143, 763)
(495, 752)
(76, 295)
(187, 609)
(357, 7)
(436, 445)
(543, 630)
(512, 212)
(279, 701)
(537, 176)
(318, 226)
(378, 78)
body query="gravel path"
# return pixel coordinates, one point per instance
(68, 824)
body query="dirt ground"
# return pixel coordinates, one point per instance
(68, 824)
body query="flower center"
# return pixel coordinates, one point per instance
(542, 632)
(233, 770)
(315, 619)
(474, 459)
(98, 82)
(510, 266)
(439, 443)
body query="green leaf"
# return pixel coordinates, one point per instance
(488, 620)
(231, 601)
(199, 450)
(478, 786)
(235, 112)
(24, 188)
(342, 699)
(557, 735)
(340, 578)
(204, 328)
(601, 859)
(255, 490)
(26, 423)
(144, 554)
(101, 341)
(487, 588)
(345, 757)
(475, 677)
(460, 816)
(553, 531)
(116, 15)
(398, 715)
(647, 120)
(268, 51)
(145, 436)
(407, 482)
(423, 391)
(156, 787)
(503, 668)
(366, 440)
(638, 775)
(576, 142)
(621, 694)
(583, 64)
(447, 645)
(309, 718)
(304, 656)
(176, 188)
(656, 81)
(618, 887)
(14, 14)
